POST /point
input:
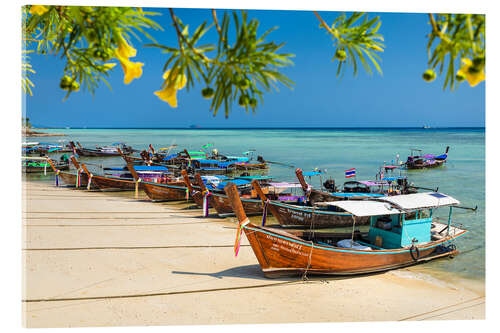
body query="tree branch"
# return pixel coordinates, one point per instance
(216, 22)
(323, 23)
(435, 29)
(181, 36)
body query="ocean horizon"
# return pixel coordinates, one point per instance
(271, 127)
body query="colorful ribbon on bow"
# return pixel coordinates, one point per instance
(187, 194)
(79, 177)
(90, 181)
(264, 212)
(57, 177)
(137, 188)
(206, 194)
(241, 225)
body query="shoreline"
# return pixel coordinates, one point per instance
(107, 259)
(27, 132)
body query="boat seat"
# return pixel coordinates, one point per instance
(346, 243)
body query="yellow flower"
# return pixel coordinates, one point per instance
(124, 50)
(132, 70)
(169, 92)
(473, 75)
(38, 10)
(109, 65)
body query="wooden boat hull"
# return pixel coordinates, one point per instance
(414, 166)
(197, 197)
(95, 153)
(113, 183)
(252, 166)
(290, 215)
(222, 204)
(280, 253)
(174, 191)
(39, 169)
(319, 196)
(67, 178)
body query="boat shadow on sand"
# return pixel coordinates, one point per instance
(254, 272)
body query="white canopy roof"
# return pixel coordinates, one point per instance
(421, 200)
(395, 204)
(365, 207)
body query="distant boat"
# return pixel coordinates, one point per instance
(426, 126)
(417, 160)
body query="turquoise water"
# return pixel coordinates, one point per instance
(336, 150)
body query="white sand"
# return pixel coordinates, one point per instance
(95, 259)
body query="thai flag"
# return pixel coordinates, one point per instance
(350, 173)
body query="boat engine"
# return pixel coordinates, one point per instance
(329, 184)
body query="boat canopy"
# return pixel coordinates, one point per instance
(392, 166)
(365, 208)
(237, 182)
(34, 158)
(391, 179)
(238, 158)
(311, 173)
(395, 204)
(150, 168)
(421, 200)
(350, 194)
(169, 157)
(258, 177)
(286, 185)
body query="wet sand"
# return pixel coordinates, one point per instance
(103, 259)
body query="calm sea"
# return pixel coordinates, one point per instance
(336, 150)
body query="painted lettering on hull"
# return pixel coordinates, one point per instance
(279, 245)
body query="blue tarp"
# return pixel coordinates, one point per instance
(219, 163)
(208, 161)
(441, 157)
(312, 173)
(150, 168)
(237, 182)
(392, 178)
(237, 158)
(169, 157)
(254, 177)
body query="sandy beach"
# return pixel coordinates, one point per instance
(104, 259)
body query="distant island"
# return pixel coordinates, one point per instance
(28, 132)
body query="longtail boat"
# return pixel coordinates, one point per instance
(393, 241)
(220, 202)
(249, 198)
(320, 215)
(199, 196)
(356, 189)
(170, 190)
(77, 179)
(41, 164)
(102, 151)
(417, 160)
(109, 182)
(41, 149)
(314, 195)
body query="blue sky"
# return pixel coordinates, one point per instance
(398, 98)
